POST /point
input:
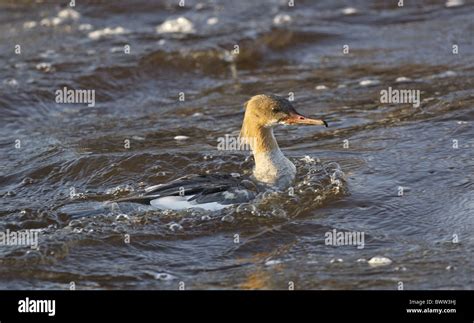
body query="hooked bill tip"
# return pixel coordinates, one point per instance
(325, 123)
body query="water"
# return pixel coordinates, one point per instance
(397, 178)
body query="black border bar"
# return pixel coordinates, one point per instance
(262, 305)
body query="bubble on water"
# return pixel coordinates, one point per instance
(122, 217)
(173, 226)
(318, 200)
(309, 160)
(227, 218)
(379, 261)
(119, 190)
(180, 137)
(164, 276)
(403, 79)
(44, 67)
(178, 25)
(77, 196)
(282, 19)
(336, 260)
(453, 3)
(69, 13)
(444, 74)
(212, 21)
(272, 262)
(85, 27)
(279, 213)
(114, 207)
(11, 82)
(27, 181)
(246, 208)
(306, 190)
(337, 175)
(368, 82)
(361, 260)
(268, 195)
(205, 218)
(349, 11)
(75, 223)
(97, 34)
(331, 167)
(29, 24)
(318, 188)
(50, 22)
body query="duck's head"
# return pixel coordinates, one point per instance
(270, 110)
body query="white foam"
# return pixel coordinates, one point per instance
(50, 22)
(44, 67)
(69, 14)
(178, 25)
(379, 261)
(62, 16)
(181, 137)
(368, 82)
(349, 11)
(85, 27)
(29, 24)
(321, 87)
(97, 34)
(272, 262)
(454, 3)
(212, 21)
(402, 79)
(308, 159)
(445, 74)
(282, 19)
(11, 82)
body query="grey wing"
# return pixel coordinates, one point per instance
(200, 188)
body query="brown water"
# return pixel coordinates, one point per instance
(68, 148)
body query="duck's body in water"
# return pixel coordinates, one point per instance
(272, 168)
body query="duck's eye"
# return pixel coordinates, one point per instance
(276, 110)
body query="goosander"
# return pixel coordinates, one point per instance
(218, 191)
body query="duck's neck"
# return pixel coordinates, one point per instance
(271, 166)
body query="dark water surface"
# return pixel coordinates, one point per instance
(68, 148)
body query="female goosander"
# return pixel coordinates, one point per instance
(272, 168)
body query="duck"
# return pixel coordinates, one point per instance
(272, 170)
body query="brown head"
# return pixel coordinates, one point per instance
(263, 112)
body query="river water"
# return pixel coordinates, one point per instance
(400, 174)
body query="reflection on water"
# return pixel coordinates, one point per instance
(402, 175)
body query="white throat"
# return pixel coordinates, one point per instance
(272, 167)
